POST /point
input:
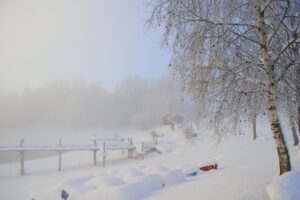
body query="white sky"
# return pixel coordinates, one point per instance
(92, 40)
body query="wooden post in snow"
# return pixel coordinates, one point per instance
(95, 152)
(131, 155)
(128, 151)
(59, 155)
(104, 155)
(22, 166)
(142, 150)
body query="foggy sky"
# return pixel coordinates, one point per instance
(92, 40)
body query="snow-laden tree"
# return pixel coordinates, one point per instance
(229, 52)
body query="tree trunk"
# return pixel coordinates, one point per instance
(292, 125)
(254, 126)
(171, 117)
(294, 131)
(298, 100)
(282, 150)
(272, 104)
(298, 119)
(254, 116)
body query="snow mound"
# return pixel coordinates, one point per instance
(130, 172)
(104, 181)
(103, 187)
(138, 189)
(156, 169)
(113, 172)
(285, 187)
(164, 147)
(173, 177)
(160, 168)
(190, 169)
(141, 167)
(74, 189)
(153, 181)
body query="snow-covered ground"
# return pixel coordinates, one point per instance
(245, 170)
(285, 186)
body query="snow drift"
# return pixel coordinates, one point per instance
(285, 187)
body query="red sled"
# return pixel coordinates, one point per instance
(209, 167)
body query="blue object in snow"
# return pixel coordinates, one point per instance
(192, 174)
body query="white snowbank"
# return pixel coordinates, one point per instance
(137, 186)
(103, 187)
(152, 182)
(132, 191)
(104, 181)
(173, 177)
(285, 187)
(190, 169)
(165, 147)
(75, 189)
(129, 173)
(156, 169)
(248, 173)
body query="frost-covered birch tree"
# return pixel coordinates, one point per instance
(226, 51)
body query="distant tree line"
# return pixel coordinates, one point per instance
(135, 102)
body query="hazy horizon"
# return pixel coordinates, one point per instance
(91, 41)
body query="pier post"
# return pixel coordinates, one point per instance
(59, 155)
(143, 150)
(95, 152)
(22, 160)
(104, 155)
